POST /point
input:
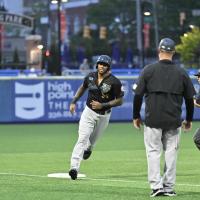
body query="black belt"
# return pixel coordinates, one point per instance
(103, 112)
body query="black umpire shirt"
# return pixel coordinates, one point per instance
(164, 85)
(109, 89)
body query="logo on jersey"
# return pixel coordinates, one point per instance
(105, 88)
(91, 78)
(29, 101)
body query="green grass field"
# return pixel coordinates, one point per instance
(116, 170)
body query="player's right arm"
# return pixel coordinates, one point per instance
(77, 96)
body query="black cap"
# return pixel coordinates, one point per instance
(167, 44)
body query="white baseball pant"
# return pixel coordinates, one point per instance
(156, 141)
(91, 126)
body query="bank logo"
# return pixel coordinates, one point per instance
(29, 100)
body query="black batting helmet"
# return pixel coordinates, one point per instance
(104, 59)
(167, 44)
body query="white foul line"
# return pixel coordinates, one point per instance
(97, 179)
(28, 175)
(132, 181)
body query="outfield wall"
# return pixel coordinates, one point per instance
(47, 100)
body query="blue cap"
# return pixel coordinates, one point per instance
(167, 44)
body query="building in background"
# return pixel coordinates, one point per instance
(13, 6)
(76, 13)
(46, 20)
(12, 41)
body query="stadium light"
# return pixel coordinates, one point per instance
(192, 26)
(40, 46)
(54, 1)
(147, 13)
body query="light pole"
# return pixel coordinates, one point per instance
(58, 3)
(139, 19)
(139, 33)
(155, 17)
(3, 9)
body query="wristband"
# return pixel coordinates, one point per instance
(106, 105)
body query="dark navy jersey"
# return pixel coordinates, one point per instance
(109, 89)
(164, 86)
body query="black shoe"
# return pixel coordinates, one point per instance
(157, 192)
(73, 173)
(170, 194)
(87, 154)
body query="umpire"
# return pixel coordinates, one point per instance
(164, 86)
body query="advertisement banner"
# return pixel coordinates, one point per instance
(47, 100)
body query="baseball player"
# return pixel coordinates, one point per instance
(104, 92)
(164, 86)
(196, 136)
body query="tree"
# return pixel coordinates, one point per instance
(119, 19)
(189, 48)
(169, 17)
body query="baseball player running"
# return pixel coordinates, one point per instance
(164, 86)
(104, 92)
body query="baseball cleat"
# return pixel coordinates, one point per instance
(87, 154)
(157, 192)
(170, 194)
(73, 173)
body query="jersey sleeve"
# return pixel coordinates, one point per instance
(189, 90)
(118, 89)
(85, 82)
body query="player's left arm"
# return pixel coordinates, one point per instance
(118, 101)
(113, 103)
(188, 94)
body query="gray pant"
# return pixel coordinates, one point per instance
(156, 142)
(91, 126)
(196, 138)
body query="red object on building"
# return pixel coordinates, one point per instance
(146, 31)
(63, 25)
(47, 53)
